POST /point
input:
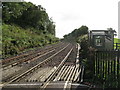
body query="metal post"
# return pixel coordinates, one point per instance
(116, 46)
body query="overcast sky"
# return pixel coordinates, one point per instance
(71, 14)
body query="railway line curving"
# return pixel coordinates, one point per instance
(61, 65)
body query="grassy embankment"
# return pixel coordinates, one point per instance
(16, 39)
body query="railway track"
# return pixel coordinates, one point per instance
(68, 70)
(20, 68)
(53, 75)
(27, 56)
(62, 65)
(34, 68)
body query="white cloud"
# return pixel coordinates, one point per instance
(71, 14)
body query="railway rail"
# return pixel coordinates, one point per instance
(62, 65)
(55, 72)
(35, 67)
(27, 56)
(68, 70)
(15, 71)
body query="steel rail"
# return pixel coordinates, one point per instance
(24, 55)
(26, 60)
(31, 58)
(34, 68)
(53, 75)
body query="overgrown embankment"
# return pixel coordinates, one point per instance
(25, 26)
(16, 39)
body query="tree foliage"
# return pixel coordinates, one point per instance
(76, 33)
(16, 39)
(28, 15)
(25, 26)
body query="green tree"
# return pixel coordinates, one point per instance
(13, 10)
(77, 33)
(28, 15)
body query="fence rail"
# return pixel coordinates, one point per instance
(107, 67)
(116, 46)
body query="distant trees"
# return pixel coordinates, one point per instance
(80, 36)
(77, 33)
(28, 15)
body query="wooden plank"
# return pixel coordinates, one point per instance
(59, 74)
(68, 79)
(73, 74)
(63, 76)
(68, 73)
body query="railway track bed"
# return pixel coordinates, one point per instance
(60, 66)
(22, 67)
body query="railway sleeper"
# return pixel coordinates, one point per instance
(29, 71)
(46, 76)
(24, 55)
(41, 76)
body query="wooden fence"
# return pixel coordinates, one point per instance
(116, 46)
(107, 68)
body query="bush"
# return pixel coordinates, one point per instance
(16, 39)
(86, 54)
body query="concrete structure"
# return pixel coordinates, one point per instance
(102, 39)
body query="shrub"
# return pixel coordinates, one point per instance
(16, 39)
